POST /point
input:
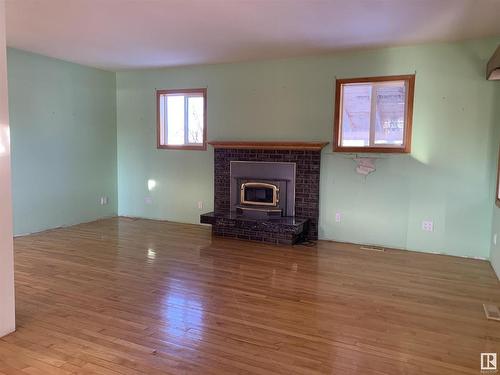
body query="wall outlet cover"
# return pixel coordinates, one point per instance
(427, 226)
(338, 217)
(200, 205)
(148, 200)
(495, 239)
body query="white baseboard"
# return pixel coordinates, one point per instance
(497, 271)
(6, 332)
(65, 226)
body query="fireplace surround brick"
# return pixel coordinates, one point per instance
(306, 190)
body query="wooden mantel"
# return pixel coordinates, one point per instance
(269, 145)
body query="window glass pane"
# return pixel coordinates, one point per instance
(390, 119)
(162, 117)
(175, 119)
(356, 107)
(195, 119)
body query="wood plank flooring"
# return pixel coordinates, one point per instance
(125, 296)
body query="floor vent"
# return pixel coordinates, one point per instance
(492, 312)
(371, 248)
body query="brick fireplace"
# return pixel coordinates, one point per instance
(266, 157)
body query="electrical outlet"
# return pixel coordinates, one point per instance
(495, 239)
(338, 217)
(148, 200)
(428, 226)
(103, 200)
(200, 205)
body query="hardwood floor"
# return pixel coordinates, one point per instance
(145, 297)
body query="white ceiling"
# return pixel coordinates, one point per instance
(123, 34)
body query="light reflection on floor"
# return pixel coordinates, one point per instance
(151, 254)
(182, 313)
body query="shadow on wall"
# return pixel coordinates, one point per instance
(373, 209)
(437, 182)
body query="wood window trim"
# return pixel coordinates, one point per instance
(406, 149)
(159, 144)
(497, 200)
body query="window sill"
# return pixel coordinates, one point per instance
(372, 150)
(183, 147)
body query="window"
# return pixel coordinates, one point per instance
(182, 120)
(374, 114)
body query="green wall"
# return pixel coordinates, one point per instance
(63, 129)
(447, 178)
(65, 120)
